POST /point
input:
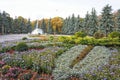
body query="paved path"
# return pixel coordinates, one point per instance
(11, 37)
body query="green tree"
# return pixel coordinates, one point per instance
(65, 26)
(43, 26)
(29, 26)
(72, 24)
(93, 22)
(21, 25)
(15, 26)
(107, 22)
(86, 23)
(77, 26)
(49, 30)
(5, 23)
(0, 23)
(118, 20)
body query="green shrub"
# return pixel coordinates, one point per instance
(51, 38)
(5, 49)
(21, 46)
(37, 47)
(98, 35)
(114, 34)
(61, 38)
(24, 38)
(80, 34)
(66, 39)
(58, 53)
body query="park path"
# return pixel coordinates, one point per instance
(11, 37)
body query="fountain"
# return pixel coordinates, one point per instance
(37, 31)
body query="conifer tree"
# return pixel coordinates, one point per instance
(106, 22)
(29, 26)
(118, 20)
(49, 30)
(65, 26)
(93, 22)
(77, 24)
(43, 26)
(86, 23)
(0, 23)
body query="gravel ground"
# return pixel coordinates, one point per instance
(12, 37)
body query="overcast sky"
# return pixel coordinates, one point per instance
(37, 9)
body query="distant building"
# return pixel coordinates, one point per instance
(37, 30)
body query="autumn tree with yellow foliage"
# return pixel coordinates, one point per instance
(57, 23)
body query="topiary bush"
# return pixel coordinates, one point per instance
(98, 35)
(80, 34)
(114, 34)
(51, 38)
(21, 46)
(24, 38)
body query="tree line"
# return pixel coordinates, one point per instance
(19, 25)
(106, 23)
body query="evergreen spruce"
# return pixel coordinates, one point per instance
(43, 26)
(118, 20)
(107, 22)
(0, 23)
(29, 26)
(86, 24)
(93, 22)
(49, 30)
(77, 24)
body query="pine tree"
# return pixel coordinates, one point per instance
(65, 26)
(77, 24)
(5, 24)
(43, 26)
(0, 23)
(118, 20)
(86, 23)
(21, 25)
(10, 24)
(15, 25)
(71, 24)
(49, 30)
(93, 22)
(106, 22)
(29, 26)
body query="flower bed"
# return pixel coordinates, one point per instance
(97, 57)
(82, 55)
(63, 62)
(40, 61)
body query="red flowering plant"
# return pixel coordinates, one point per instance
(13, 72)
(2, 63)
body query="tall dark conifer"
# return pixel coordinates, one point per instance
(107, 22)
(118, 21)
(86, 23)
(93, 22)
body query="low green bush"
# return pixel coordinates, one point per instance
(5, 49)
(51, 38)
(66, 39)
(114, 34)
(98, 35)
(37, 47)
(24, 38)
(21, 46)
(80, 34)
